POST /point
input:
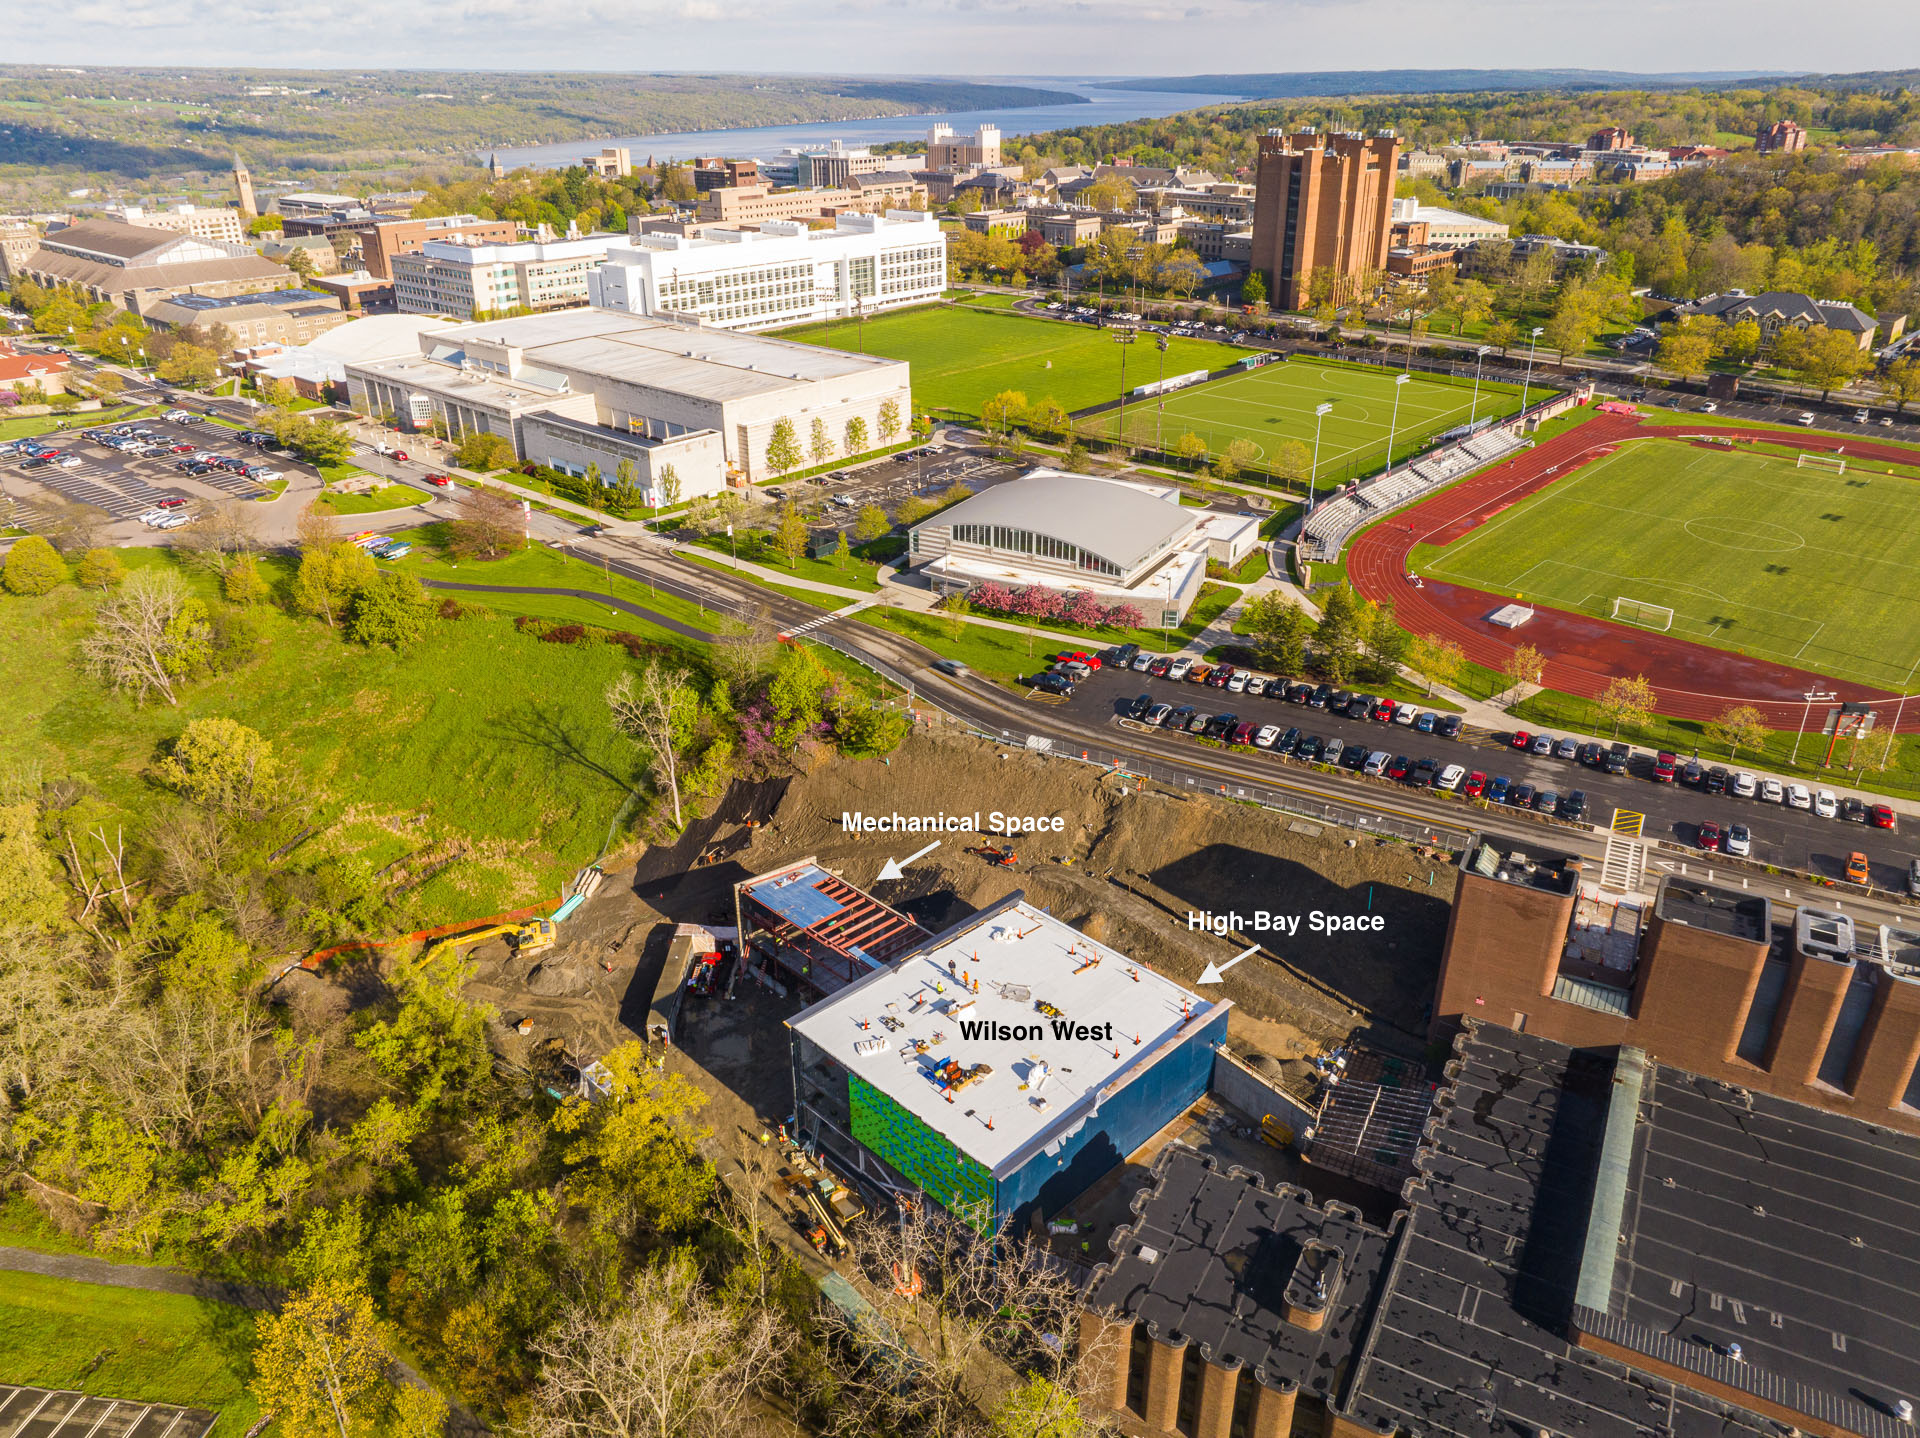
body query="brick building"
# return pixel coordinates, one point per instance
(1321, 203)
(1815, 1012)
(1782, 137)
(382, 240)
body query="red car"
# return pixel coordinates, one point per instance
(1383, 711)
(1077, 656)
(182, 449)
(399, 454)
(1710, 838)
(1880, 816)
(1399, 767)
(1475, 786)
(1663, 766)
(173, 503)
(1521, 739)
(439, 479)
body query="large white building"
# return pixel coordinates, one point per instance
(594, 386)
(457, 278)
(781, 274)
(222, 226)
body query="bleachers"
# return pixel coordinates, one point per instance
(1326, 533)
(1491, 444)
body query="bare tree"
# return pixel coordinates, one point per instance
(744, 650)
(131, 647)
(955, 1307)
(671, 1362)
(74, 528)
(490, 523)
(317, 526)
(657, 714)
(223, 531)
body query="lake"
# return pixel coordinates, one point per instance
(1105, 107)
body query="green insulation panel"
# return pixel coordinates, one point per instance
(961, 1184)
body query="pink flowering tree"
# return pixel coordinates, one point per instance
(1084, 608)
(1125, 616)
(996, 598)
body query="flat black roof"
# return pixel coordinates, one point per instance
(1790, 1231)
(1210, 1256)
(1553, 874)
(1715, 908)
(1468, 1337)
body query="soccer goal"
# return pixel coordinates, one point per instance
(1640, 612)
(1804, 460)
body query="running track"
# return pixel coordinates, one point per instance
(1692, 681)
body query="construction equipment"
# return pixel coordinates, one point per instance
(824, 1220)
(532, 937)
(1274, 1132)
(1003, 858)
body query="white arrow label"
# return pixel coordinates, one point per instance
(1214, 972)
(891, 869)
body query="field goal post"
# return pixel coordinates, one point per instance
(1642, 613)
(1807, 460)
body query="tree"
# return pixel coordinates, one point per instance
(145, 636)
(1502, 334)
(1685, 353)
(1279, 629)
(658, 714)
(1341, 633)
(220, 533)
(393, 611)
(1525, 666)
(1741, 341)
(1900, 382)
(189, 365)
(820, 441)
(790, 534)
(871, 524)
(1190, 449)
(1824, 358)
(1291, 459)
(33, 567)
(1441, 660)
(244, 584)
(842, 552)
(1741, 727)
(669, 1359)
(29, 896)
(889, 421)
(316, 525)
(321, 1366)
(1240, 452)
(1048, 419)
(483, 451)
(1253, 289)
(626, 493)
(301, 263)
(490, 522)
(670, 486)
(222, 766)
(329, 579)
(856, 440)
(1626, 700)
(783, 447)
(74, 527)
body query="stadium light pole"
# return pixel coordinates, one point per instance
(1123, 338)
(1160, 409)
(1393, 425)
(1313, 471)
(1813, 697)
(1531, 344)
(1479, 358)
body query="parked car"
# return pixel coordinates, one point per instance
(1322, 694)
(1335, 751)
(1383, 710)
(1665, 766)
(1913, 879)
(1547, 801)
(1693, 774)
(1739, 841)
(1880, 816)
(1139, 707)
(1450, 778)
(1309, 749)
(1377, 762)
(1857, 872)
(1567, 749)
(1542, 745)
(1242, 734)
(1475, 785)
(1825, 805)
(1521, 740)
(1161, 668)
(1405, 715)
(1716, 782)
(1264, 737)
(1143, 664)
(1497, 789)
(1799, 797)
(1178, 668)
(1710, 837)
(1853, 811)
(1424, 721)
(1592, 753)
(1178, 716)
(1745, 785)
(1158, 714)
(1573, 807)
(1448, 726)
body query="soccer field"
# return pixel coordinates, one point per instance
(1274, 403)
(961, 358)
(1799, 566)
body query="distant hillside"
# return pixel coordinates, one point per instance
(1309, 83)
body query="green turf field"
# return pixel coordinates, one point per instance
(1800, 566)
(961, 358)
(1276, 402)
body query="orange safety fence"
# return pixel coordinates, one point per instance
(320, 956)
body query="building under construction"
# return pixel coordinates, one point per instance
(818, 932)
(1005, 1062)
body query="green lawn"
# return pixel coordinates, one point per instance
(479, 738)
(126, 1343)
(753, 546)
(387, 496)
(84, 419)
(962, 357)
(1276, 402)
(1827, 580)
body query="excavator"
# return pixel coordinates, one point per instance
(531, 937)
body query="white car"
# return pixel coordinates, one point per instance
(1826, 805)
(1238, 684)
(1739, 841)
(172, 521)
(1268, 733)
(1450, 778)
(1405, 714)
(1141, 663)
(1771, 791)
(1798, 797)
(1178, 669)
(69, 461)
(154, 515)
(1745, 786)
(265, 474)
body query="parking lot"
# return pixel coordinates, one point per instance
(887, 482)
(1674, 812)
(123, 485)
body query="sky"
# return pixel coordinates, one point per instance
(985, 37)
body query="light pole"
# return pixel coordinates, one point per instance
(1160, 410)
(1479, 358)
(1123, 338)
(1898, 710)
(1393, 424)
(1813, 697)
(1313, 471)
(1537, 332)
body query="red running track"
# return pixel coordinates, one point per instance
(1691, 681)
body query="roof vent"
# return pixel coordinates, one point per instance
(1903, 1410)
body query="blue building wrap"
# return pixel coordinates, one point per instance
(1127, 1120)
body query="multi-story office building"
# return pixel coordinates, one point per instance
(948, 151)
(614, 162)
(1417, 224)
(1781, 137)
(221, 225)
(1321, 203)
(383, 240)
(712, 172)
(465, 279)
(781, 275)
(285, 317)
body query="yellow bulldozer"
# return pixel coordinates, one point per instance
(531, 937)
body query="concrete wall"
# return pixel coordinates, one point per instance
(698, 460)
(1233, 1082)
